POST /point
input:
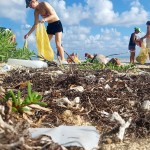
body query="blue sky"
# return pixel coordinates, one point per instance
(94, 26)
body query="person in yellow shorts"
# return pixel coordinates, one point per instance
(54, 24)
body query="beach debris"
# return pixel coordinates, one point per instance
(107, 87)
(81, 136)
(21, 85)
(90, 77)
(4, 125)
(57, 72)
(123, 124)
(6, 68)
(96, 104)
(101, 80)
(77, 88)
(102, 59)
(146, 105)
(73, 119)
(62, 101)
(2, 109)
(36, 106)
(111, 99)
(27, 63)
(105, 114)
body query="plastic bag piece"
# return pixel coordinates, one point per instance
(141, 58)
(25, 44)
(43, 44)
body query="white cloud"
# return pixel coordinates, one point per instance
(26, 26)
(135, 16)
(77, 36)
(79, 39)
(102, 13)
(13, 9)
(70, 15)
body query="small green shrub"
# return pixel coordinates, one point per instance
(97, 66)
(19, 104)
(8, 48)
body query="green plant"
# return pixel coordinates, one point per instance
(8, 48)
(96, 66)
(19, 105)
(22, 53)
(5, 44)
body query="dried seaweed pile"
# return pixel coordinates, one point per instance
(105, 92)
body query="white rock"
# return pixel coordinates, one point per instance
(146, 105)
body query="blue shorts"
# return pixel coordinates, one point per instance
(54, 27)
(131, 48)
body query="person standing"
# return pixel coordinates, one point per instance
(147, 36)
(132, 43)
(49, 15)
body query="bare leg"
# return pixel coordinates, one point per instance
(50, 36)
(58, 37)
(132, 55)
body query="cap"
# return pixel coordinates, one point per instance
(86, 54)
(148, 23)
(137, 29)
(27, 3)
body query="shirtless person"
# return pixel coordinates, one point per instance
(54, 24)
(147, 36)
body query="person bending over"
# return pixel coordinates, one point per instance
(54, 24)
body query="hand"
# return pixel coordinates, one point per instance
(42, 21)
(26, 36)
(141, 39)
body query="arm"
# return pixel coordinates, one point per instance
(36, 20)
(134, 38)
(50, 11)
(147, 33)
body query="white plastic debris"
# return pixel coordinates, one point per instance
(77, 88)
(81, 136)
(102, 59)
(146, 105)
(105, 114)
(90, 77)
(107, 87)
(58, 72)
(27, 63)
(62, 101)
(124, 125)
(77, 100)
(129, 89)
(6, 67)
(111, 99)
(2, 109)
(102, 80)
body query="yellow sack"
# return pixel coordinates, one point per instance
(141, 58)
(43, 44)
(76, 60)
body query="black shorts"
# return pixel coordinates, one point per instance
(131, 47)
(54, 27)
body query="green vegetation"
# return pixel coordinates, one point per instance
(19, 104)
(8, 48)
(96, 66)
